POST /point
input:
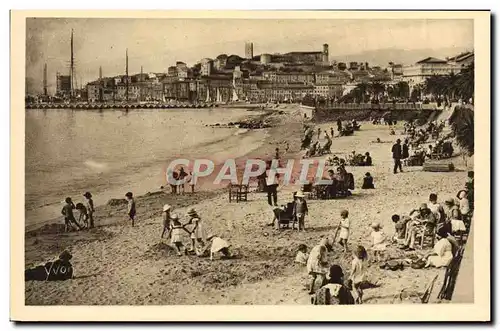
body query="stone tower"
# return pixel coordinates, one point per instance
(325, 54)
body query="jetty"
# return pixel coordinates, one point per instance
(99, 106)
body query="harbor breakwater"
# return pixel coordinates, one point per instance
(115, 106)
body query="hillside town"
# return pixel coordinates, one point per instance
(277, 78)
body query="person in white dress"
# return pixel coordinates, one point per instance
(443, 251)
(344, 229)
(216, 245)
(379, 240)
(197, 232)
(176, 230)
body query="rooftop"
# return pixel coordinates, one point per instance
(431, 60)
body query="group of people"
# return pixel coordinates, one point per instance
(316, 148)
(356, 159)
(437, 220)
(86, 213)
(173, 229)
(399, 152)
(181, 175)
(317, 265)
(432, 218)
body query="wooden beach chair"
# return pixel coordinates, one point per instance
(238, 192)
(426, 234)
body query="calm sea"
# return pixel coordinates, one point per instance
(111, 152)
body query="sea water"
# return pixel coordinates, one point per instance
(108, 153)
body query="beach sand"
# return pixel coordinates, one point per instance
(116, 264)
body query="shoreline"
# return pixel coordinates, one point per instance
(258, 150)
(122, 265)
(48, 212)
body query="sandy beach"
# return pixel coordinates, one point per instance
(116, 264)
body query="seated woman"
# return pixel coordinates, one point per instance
(334, 292)
(423, 219)
(443, 251)
(368, 182)
(368, 160)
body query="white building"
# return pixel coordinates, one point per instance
(206, 67)
(420, 71)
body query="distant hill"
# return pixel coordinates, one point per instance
(382, 57)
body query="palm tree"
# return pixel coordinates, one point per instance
(462, 124)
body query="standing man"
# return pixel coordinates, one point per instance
(396, 155)
(90, 208)
(131, 207)
(272, 192)
(319, 133)
(339, 125)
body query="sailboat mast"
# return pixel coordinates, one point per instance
(126, 74)
(140, 87)
(72, 67)
(45, 79)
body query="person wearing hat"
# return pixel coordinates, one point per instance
(90, 208)
(425, 219)
(131, 207)
(379, 241)
(69, 217)
(176, 233)
(300, 211)
(317, 263)
(338, 293)
(396, 155)
(217, 245)
(166, 219)
(197, 232)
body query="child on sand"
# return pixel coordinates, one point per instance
(84, 216)
(344, 229)
(197, 233)
(300, 210)
(358, 272)
(217, 245)
(302, 256)
(69, 218)
(131, 207)
(379, 241)
(176, 233)
(167, 219)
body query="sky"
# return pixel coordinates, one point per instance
(157, 44)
